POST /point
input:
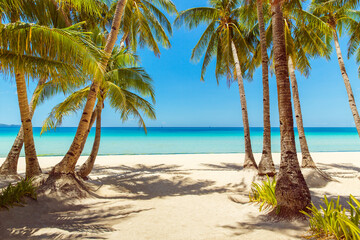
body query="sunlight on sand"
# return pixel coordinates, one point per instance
(172, 197)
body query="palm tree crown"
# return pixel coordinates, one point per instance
(224, 26)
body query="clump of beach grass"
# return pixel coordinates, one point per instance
(264, 194)
(14, 195)
(333, 221)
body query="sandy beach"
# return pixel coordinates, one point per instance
(171, 197)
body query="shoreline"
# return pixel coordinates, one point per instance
(113, 160)
(200, 153)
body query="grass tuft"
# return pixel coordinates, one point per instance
(334, 221)
(264, 194)
(14, 195)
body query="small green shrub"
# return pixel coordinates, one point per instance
(334, 221)
(13, 195)
(264, 194)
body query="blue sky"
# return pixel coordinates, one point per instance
(184, 101)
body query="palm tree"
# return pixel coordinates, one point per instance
(24, 53)
(225, 39)
(291, 191)
(13, 10)
(67, 165)
(9, 167)
(145, 25)
(266, 165)
(124, 88)
(339, 15)
(305, 39)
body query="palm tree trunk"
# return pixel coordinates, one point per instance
(291, 191)
(9, 167)
(32, 164)
(249, 161)
(92, 121)
(307, 161)
(66, 18)
(87, 167)
(67, 165)
(345, 76)
(266, 165)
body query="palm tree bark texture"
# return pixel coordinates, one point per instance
(307, 161)
(87, 167)
(249, 161)
(32, 164)
(345, 76)
(292, 192)
(266, 165)
(9, 167)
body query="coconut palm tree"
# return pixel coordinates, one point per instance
(25, 54)
(9, 167)
(224, 38)
(145, 25)
(124, 88)
(339, 16)
(12, 10)
(305, 39)
(266, 165)
(67, 165)
(291, 191)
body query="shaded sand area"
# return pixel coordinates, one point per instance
(172, 197)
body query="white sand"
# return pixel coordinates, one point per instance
(170, 197)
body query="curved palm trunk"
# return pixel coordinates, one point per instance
(249, 161)
(291, 191)
(266, 165)
(307, 161)
(67, 164)
(87, 167)
(345, 76)
(92, 121)
(32, 164)
(9, 167)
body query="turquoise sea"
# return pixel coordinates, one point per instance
(117, 141)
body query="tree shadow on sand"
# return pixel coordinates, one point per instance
(224, 166)
(61, 220)
(290, 229)
(145, 182)
(317, 199)
(138, 168)
(349, 169)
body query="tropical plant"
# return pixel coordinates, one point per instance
(25, 54)
(9, 166)
(67, 165)
(340, 16)
(266, 165)
(145, 25)
(228, 40)
(334, 220)
(292, 192)
(124, 88)
(264, 194)
(58, 19)
(13, 195)
(305, 39)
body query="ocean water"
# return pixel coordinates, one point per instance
(118, 141)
